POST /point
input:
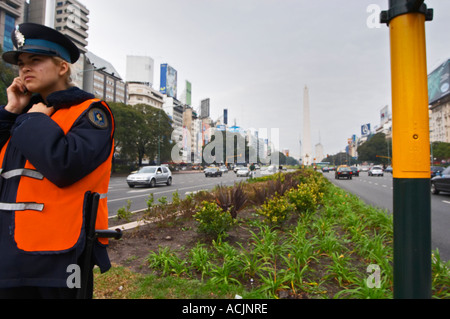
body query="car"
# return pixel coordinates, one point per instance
(375, 171)
(213, 171)
(238, 167)
(436, 170)
(150, 176)
(343, 171)
(325, 169)
(223, 169)
(355, 171)
(388, 169)
(441, 183)
(243, 171)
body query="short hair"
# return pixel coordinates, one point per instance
(68, 75)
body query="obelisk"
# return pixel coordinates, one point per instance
(306, 144)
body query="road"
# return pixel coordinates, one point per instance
(375, 191)
(119, 192)
(378, 191)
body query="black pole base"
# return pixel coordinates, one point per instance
(412, 238)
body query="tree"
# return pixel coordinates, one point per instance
(441, 151)
(7, 75)
(376, 145)
(138, 130)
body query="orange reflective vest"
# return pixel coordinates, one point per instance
(48, 218)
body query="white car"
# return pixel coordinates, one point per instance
(376, 171)
(223, 169)
(243, 171)
(150, 176)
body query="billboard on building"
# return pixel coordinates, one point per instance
(188, 93)
(384, 115)
(439, 82)
(168, 82)
(204, 108)
(225, 116)
(365, 129)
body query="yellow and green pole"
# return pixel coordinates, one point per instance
(410, 148)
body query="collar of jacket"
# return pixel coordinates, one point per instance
(63, 99)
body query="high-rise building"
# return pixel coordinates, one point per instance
(12, 12)
(70, 17)
(307, 156)
(101, 79)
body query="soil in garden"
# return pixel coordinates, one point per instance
(177, 233)
(181, 234)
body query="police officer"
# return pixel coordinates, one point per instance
(56, 145)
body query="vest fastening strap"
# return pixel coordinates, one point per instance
(22, 172)
(22, 206)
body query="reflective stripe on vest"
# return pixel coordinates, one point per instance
(22, 206)
(47, 218)
(21, 172)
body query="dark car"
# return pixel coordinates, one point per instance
(436, 170)
(355, 171)
(441, 183)
(343, 172)
(213, 171)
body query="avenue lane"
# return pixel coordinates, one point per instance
(184, 182)
(378, 192)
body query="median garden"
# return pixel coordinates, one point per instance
(289, 235)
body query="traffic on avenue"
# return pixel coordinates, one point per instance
(373, 189)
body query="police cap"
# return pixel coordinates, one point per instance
(42, 40)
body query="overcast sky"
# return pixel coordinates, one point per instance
(254, 57)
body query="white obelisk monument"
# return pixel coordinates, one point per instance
(306, 143)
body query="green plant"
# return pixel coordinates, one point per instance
(340, 269)
(124, 212)
(199, 258)
(167, 261)
(176, 201)
(212, 220)
(162, 200)
(275, 280)
(150, 201)
(441, 276)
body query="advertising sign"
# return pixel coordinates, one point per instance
(384, 115)
(365, 129)
(204, 108)
(188, 93)
(168, 81)
(439, 82)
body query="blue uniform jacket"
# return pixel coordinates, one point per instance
(63, 160)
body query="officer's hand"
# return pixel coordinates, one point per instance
(42, 108)
(18, 97)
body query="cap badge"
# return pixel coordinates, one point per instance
(20, 39)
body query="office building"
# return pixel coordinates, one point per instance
(12, 12)
(101, 79)
(70, 17)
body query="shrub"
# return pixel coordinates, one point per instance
(305, 197)
(276, 209)
(231, 199)
(212, 219)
